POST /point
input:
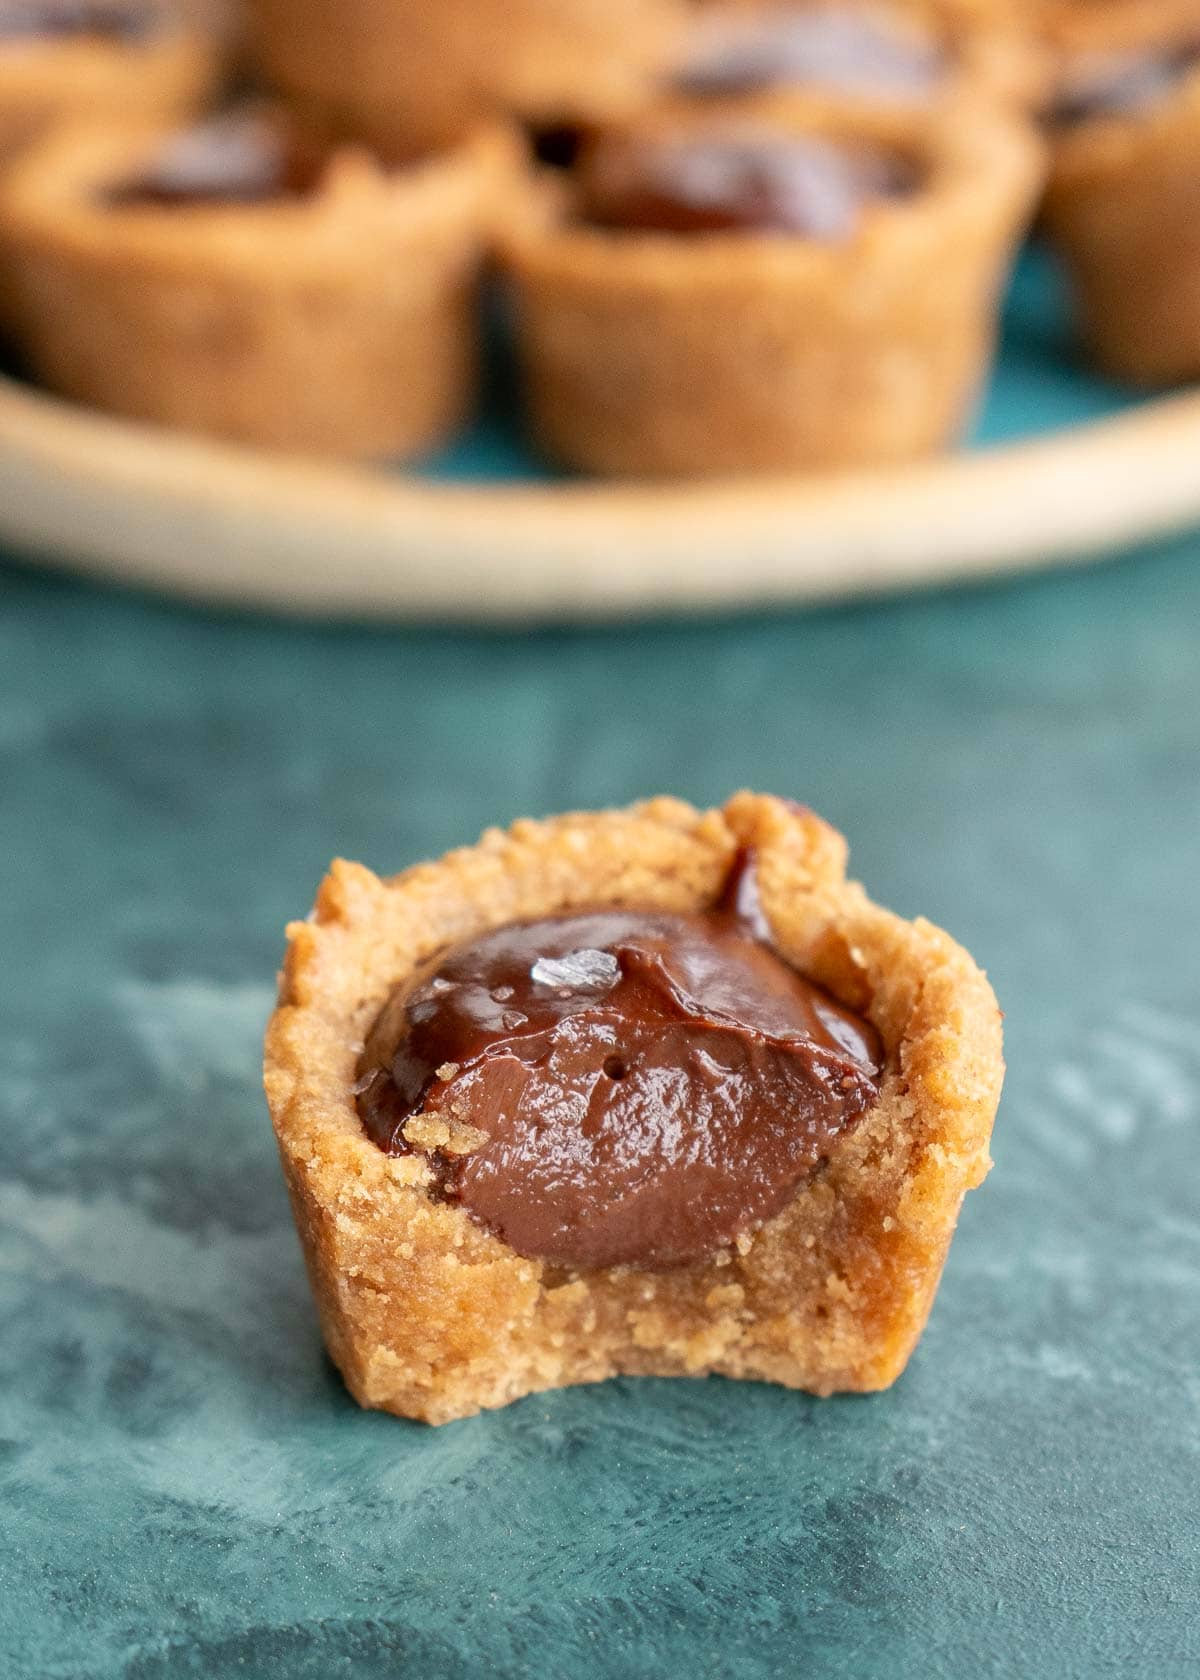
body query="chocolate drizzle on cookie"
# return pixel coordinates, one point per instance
(739, 179)
(108, 20)
(1121, 84)
(236, 159)
(838, 48)
(619, 1087)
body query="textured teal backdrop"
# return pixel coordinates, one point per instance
(186, 1490)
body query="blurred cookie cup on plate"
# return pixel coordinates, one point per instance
(246, 279)
(127, 59)
(809, 291)
(1123, 204)
(418, 70)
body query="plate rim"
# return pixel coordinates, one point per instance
(233, 526)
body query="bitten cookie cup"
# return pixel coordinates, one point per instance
(164, 72)
(381, 69)
(653, 354)
(338, 321)
(1123, 204)
(431, 1316)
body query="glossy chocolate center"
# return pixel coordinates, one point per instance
(619, 1087)
(238, 159)
(1117, 84)
(739, 181)
(834, 47)
(119, 20)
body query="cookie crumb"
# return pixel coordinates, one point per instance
(464, 1140)
(425, 1133)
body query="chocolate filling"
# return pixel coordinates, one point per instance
(739, 180)
(619, 1087)
(111, 20)
(1117, 84)
(559, 145)
(835, 47)
(236, 159)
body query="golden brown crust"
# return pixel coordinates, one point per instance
(653, 354)
(44, 82)
(414, 70)
(431, 1317)
(341, 323)
(1122, 203)
(1072, 26)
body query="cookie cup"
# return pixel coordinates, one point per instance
(413, 71)
(339, 323)
(1123, 204)
(430, 1316)
(655, 354)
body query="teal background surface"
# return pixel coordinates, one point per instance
(185, 1488)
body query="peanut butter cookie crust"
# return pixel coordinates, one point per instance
(647, 354)
(431, 1316)
(1121, 203)
(338, 320)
